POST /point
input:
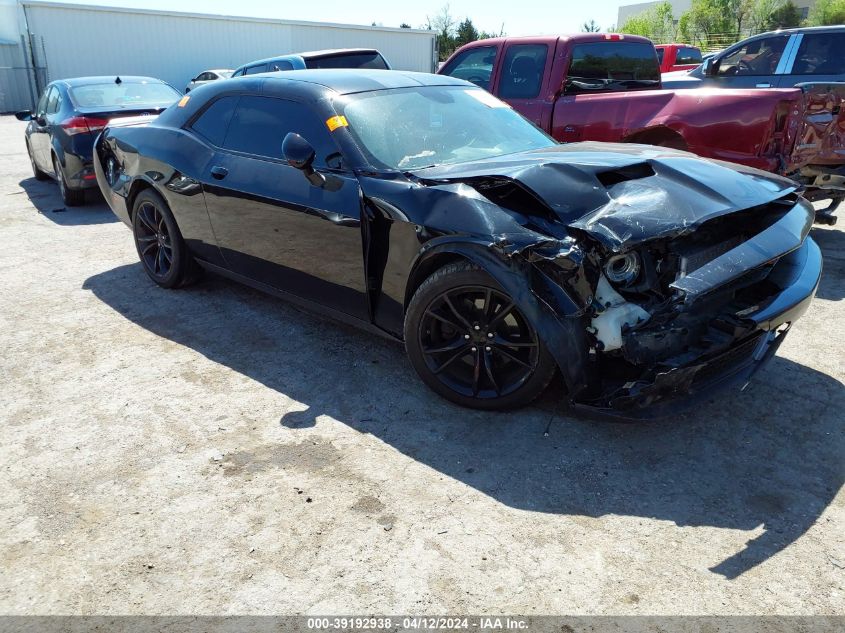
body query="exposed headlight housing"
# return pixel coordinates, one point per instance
(623, 270)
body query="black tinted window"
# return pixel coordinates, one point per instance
(820, 54)
(522, 71)
(660, 53)
(254, 70)
(474, 64)
(214, 121)
(260, 124)
(351, 60)
(688, 56)
(612, 66)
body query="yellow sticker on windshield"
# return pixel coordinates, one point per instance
(487, 99)
(336, 121)
(184, 100)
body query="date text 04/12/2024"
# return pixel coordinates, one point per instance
(486, 623)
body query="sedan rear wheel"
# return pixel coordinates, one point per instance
(71, 197)
(471, 344)
(159, 243)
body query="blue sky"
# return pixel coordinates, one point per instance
(520, 17)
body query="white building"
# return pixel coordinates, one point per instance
(44, 41)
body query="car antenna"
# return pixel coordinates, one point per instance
(118, 80)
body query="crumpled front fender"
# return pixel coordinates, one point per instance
(558, 318)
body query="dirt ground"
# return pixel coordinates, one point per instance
(216, 451)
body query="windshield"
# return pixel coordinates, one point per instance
(225, 73)
(412, 128)
(348, 60)
(123, 95)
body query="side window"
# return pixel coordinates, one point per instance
(214, 121)
(660, 53)
(280, 65)
(522, 71)
(254, 70)
(53, 101)
(205, 77)
(260, 124)
(475, 65)
(688, 56)
(612, 67)
(760, 57)
(820, 54)
(41, 108)
(238, 73)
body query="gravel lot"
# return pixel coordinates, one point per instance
(216, 451)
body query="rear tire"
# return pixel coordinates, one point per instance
(71, 197)
(160, 246)
(36, 171)
(470, 343)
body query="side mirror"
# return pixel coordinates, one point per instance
(24, 115)
(709, 67)
(300, 154)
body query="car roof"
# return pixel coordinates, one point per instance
(108, 79)
(329, 52)
(351, 80)
(800, 29)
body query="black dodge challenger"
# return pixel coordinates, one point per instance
(423, 208)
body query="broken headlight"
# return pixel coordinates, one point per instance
(623, 270)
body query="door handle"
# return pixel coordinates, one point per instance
(219, 173)
(764, 85)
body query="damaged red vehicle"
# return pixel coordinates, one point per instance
(423, 208)
(607, 87)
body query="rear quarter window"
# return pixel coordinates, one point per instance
(214, 121)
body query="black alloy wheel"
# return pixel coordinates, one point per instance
(160, 246)
(470, 343)
(155, 246)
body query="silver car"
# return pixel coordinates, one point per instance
(206, 76)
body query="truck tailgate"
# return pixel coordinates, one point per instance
(820, 134)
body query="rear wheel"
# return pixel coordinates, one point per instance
(39, 175)
(160, 246)
(469, 342)
(71, 197)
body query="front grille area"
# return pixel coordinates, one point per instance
(728, 361)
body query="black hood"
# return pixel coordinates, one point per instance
(623, 194)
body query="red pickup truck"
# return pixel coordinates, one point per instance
(606, 87)
(677, 57)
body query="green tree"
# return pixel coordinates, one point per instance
(826, 12)
(590, 27)
(466, 33)
(706, 23)
(404, 25)
(656, 23)
(785, 16)
(444, 25)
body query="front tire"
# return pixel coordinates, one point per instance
(71, 197)
(160, 246)
(471, 344)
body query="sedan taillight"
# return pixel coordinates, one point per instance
(83, 125)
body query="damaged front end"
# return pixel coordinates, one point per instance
(660, 276)
(678, 316)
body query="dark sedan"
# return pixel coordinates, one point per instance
(69, 115)
(423, 208)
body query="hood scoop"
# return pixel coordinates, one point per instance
(636, 171)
